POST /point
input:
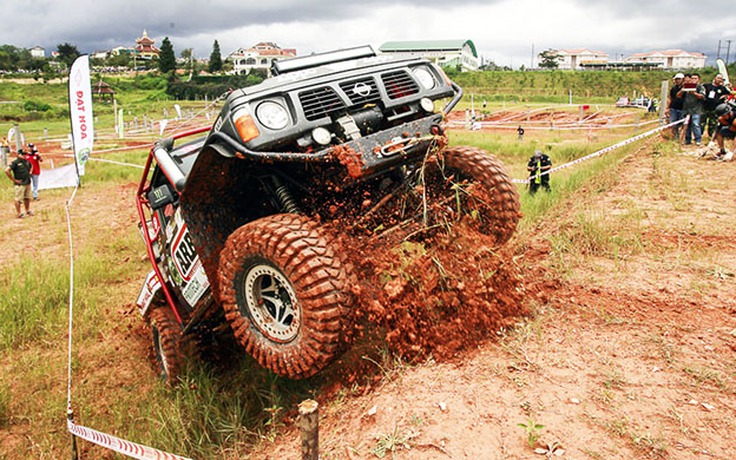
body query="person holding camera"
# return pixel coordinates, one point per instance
(716, 93)
(538, 167)
(726, 129)
(35, 159)
(693, 94)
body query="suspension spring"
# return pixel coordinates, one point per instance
(284, 197)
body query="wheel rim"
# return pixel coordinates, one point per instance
(272, 303)
(160, 353)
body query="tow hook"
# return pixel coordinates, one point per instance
(401, 144)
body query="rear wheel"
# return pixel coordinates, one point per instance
(284, 291)
(167, 344)
(472, 182)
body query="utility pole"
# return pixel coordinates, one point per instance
(532, 64)
(718, 53)
(728, 50)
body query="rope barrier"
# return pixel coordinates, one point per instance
(554, 126)
(121, 446)
(600, 152)
(116, 162)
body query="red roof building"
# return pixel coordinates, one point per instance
(144, 47)
(258, 56)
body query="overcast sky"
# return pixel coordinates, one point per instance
(507, 32)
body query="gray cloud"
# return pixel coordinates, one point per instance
(502, 30)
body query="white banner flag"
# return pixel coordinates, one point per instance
(80, 111)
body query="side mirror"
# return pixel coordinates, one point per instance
(160, 197)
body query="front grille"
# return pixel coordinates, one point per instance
(361, 92)
(399, 84)
(319, 102)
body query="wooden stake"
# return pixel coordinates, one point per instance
(309, 426)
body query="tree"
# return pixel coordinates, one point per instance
(189, 65)
(166, 58)
(215, 64)
(549, 59)
(68, 53)
(119, 60)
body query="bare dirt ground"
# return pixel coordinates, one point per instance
(622, 355)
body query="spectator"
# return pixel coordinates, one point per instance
(674, 103)
(693, 94)
(19, 171)
(726, 129)
(4, 150)
(538, 167)
(715, 94)
(520, 130)
(35, 159)
(651, 105)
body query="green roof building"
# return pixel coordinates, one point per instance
(446, 53)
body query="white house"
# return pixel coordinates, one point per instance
(100, 54)
(670, 59)
(446, 53)
(258, 56)
(38, 52)
(573, 59)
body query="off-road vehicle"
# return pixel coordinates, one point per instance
(249, 223)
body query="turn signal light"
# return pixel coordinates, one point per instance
(246, 127)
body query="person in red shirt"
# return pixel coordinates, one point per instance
(35, 159)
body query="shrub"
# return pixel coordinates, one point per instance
(36, 106)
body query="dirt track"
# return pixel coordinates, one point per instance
(625, 356)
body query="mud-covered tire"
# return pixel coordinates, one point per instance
(167, 344)
(285, 294)
(496, 209)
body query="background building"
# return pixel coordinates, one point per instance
(670, 59)
(258, 56)
(574, 59)
(446, 53)
(144, 47)
(38, 52)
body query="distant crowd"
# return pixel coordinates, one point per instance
(707, 108)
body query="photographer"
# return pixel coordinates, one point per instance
(539, 163)
(693, 94)
(715, 94)
(726, 129)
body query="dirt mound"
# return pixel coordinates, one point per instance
(437, 296)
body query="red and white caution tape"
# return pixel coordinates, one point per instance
(601, 152)
(120, 446)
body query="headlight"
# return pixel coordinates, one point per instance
(272, 115)
(425, 78)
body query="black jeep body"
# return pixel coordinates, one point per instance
(233, 217)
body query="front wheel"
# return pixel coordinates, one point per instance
(284, 291)
(475, 184)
